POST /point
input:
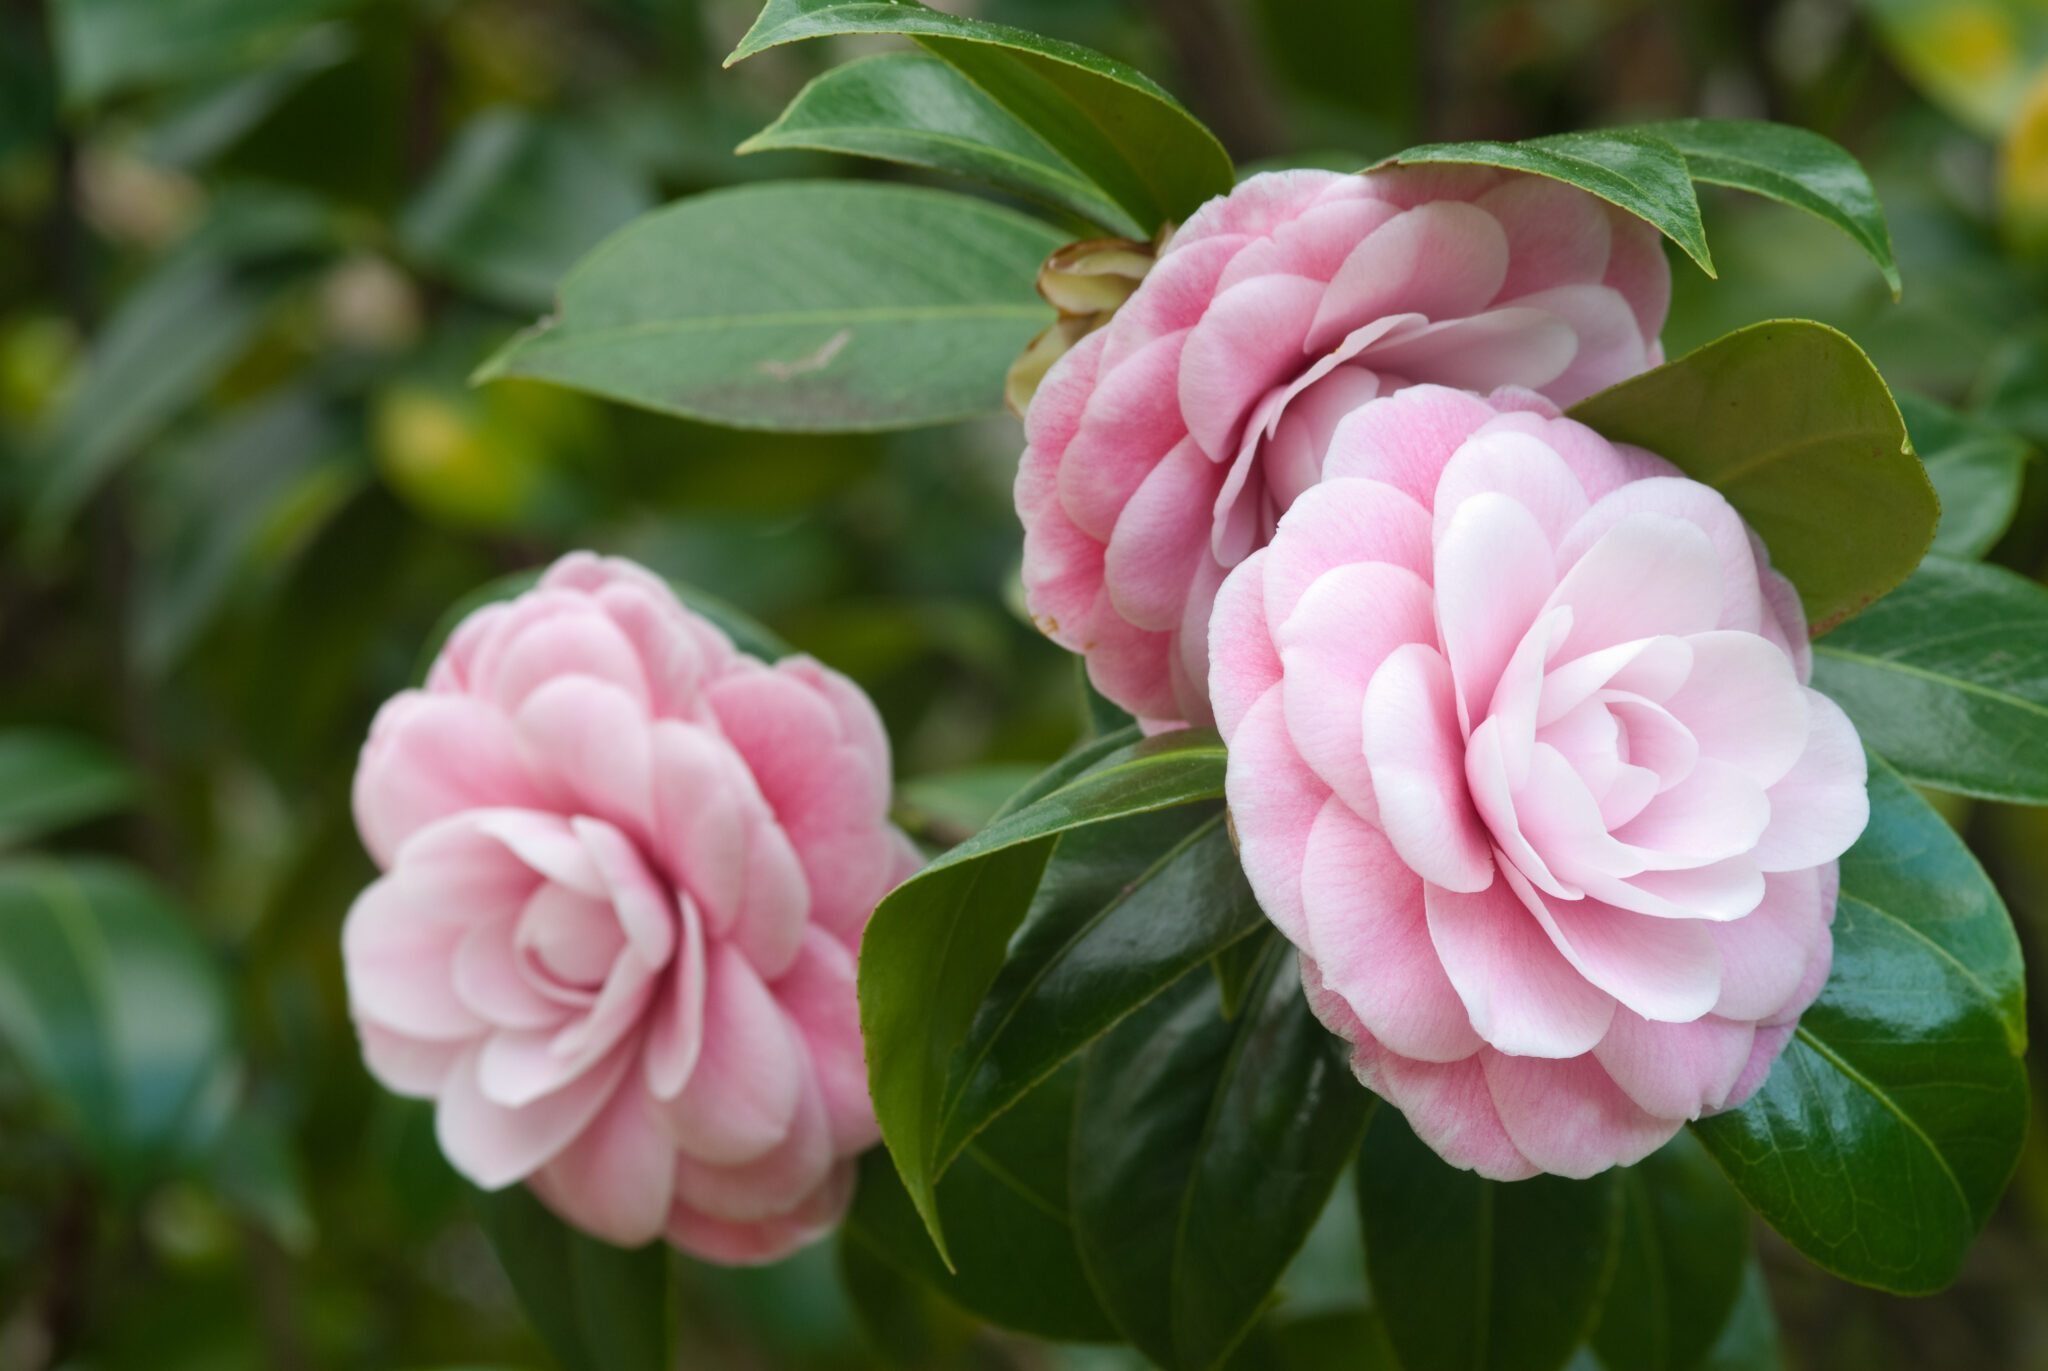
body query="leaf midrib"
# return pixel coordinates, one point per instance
(1967, 687)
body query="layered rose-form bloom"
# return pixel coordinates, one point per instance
(1164, 447)
(626, 870)
(1522, 760)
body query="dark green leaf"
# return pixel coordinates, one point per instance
(104, 46)
(1947, 678)
(1005, 1203)
(517, 200)
(800, 305)
(1793, 165)
(1204, 1151)
(1348, 1340)
(1976, 468)
(1885, 1134)
(1684, 1247)
(907, 1322)
(935, 945)
(51, 780)
(216, 118)
(1476, 1275)
(1104, 715)
(1108, 121)
(953, 806)
(597, 1307)
(1124, 910)
(1789, 420)
(1233, 967)
(911, 108)
(116, 1009)
(1633, 168)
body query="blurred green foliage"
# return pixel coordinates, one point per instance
(250, 252)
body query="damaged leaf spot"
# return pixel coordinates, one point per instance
(816, 361)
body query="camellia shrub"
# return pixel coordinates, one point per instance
(1502, 782)
(1503, 814)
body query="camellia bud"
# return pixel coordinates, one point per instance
(1085, 282)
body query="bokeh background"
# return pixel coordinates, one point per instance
(249, 252)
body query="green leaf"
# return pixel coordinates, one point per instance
(802, 305)
(1005, 1202)
(1684, 1248)
(934, 947)
(910, 108)
(1108, 121)
(105, 46)
(597, 1307)
(1947, 678)
(952, 806)
(1476, 1275)
(1124, 910)
(907, 1322)
(51, 780)
(1792, 165)
(117, 1011)
(1977, 468)
(1789, 420)
(1884, 1136)
(1204, 1151)
(516, 201)
(1633, 168)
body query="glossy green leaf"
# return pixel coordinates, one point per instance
(1684, 1247)
(1977, 469)
(1204, 1151)
(516, 201)
(51, 780)
(1947, 678)
(1348, 1340)
(911, 108)
(1125, 909)
(935, 946)
(1633, 168)
(1476, 1275)
(1108, 121)
(1789, 164)
(1791, 423)
(802, 305)
(597, 1307)
(116, 1009)
(1005, 1205)
(1884, 1136)
(104, 46)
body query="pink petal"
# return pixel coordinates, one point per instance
(544, 843)
(1663, 969)
(646, 910)
(1370, 939)
(1610, 347)
(404, 1065)
(430, 756)
(1562, 821)
(488, 980)
(1130, 424)
(1160, 536)
(1522, 995)
(1557, 234)
(399, 956)
(1657, 742)
(1727, 889)
(1518, 466)
(1274, 800)
(1443, 260)
(590, 739)
(1330, 647)
(1653, 668)
(1494, 569)
(818, 994)
(570, 940)
(1176, 292)
(1337, 523)
(1243, 663)
(1637, 267)
(1448, 1106)
(1406, 438)
(616, 1179)
(1314, 245)
(766, 1240)
(1130, 665)
(580, 643)
(675, 1025)
(495, 1145)
(771, 1183)
(1515, 346)
(1717, 811)
(1674, 497)
(749, 1081)
(1821, 806)
(1569, 1117)
(1487, 778)
(1765, 953)
(1675, 1070)
(1249, 341)
(1648, 575)
(1418, 770)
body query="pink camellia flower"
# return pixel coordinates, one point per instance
(626, 870)
(1522, 760)
(1164, 447)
